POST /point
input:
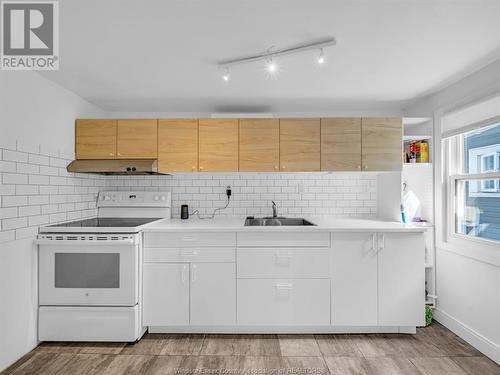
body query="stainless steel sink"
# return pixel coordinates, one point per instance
(265, 221)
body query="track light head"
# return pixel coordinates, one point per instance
(321, 57)
(225, 75)
(271, 66)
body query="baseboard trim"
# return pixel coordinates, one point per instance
(481, 343)
(281, 329)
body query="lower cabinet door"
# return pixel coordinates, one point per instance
(213, 294)
(354, 279)
(401, 279)
(166, 294)
(282, 302)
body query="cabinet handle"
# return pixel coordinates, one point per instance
(275, 167)
(187, 238)
(194, 274)
(188, 253)
(373, 242)
(119, 154)
(365, 167)
(381, 236)
(358, 167)
(283, 167)
(283, 257)
(193, 168)
(283, 289)
(184, 273)
(111, 154)
(201, 168)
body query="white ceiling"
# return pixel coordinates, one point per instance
(161, 55)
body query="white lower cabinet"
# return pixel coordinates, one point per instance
(378, 279)
(354, 280)
(289, 302)
(351, 279)
(213, 294)
(166, 294)
(189, 294)
(401, 279)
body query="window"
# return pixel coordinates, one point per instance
(474, 183)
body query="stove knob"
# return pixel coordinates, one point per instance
(162, 197)
(157, 197)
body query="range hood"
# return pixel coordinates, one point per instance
(133, 167)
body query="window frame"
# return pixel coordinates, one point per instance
(453, 171)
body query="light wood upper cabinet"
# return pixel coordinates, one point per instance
(259, 145)
(95, 139)
(382, 144)
(341, 144)
(137, 139)
(218, 145)
(300, 145)
(178, 145)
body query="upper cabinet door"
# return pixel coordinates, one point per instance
(300, 145)
(137, 139)
(341, 144)
(259, 145)
(382, 144)
(178, 145)
(218, 145)
(95, 139)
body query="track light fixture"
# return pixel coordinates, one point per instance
(321, 58)
(270, 54)
(271, 66)
(225, 75)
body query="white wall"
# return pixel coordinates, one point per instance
(36, 133)
(467, 276)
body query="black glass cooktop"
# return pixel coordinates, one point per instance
(106, 222)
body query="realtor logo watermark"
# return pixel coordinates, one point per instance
(30, 35)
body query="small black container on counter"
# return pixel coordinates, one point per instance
(184, 212)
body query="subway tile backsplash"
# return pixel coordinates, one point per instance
(37, 190)
(296, 194)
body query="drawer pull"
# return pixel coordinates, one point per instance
(283, 290)
(283, 258)
(188, 253)
(187, 238)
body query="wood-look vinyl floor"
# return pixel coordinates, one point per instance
(433, 350)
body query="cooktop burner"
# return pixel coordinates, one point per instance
(108, 222)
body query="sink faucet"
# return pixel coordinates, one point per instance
(275, 210)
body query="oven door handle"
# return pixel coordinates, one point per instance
(86, 243)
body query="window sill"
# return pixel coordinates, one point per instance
(481, 250)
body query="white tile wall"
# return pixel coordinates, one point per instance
(37, 190)
(314, 193)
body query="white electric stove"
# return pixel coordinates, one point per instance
(89, 270)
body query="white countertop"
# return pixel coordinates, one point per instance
(323, 224)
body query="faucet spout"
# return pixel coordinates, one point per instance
(275, 210)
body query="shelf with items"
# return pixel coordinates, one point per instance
(416, 149)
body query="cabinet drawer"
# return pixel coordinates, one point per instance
(284, 263)
(187, 254)
(283, 239)
(186, 239)
(284, 302)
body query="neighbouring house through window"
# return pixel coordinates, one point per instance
(474, 162)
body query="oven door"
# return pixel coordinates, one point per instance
(100, 270)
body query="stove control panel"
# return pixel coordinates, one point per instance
(134, 199)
